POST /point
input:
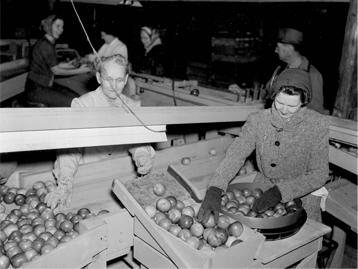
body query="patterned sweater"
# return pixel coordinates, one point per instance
(291, 154)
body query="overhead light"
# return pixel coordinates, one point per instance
(133, 3)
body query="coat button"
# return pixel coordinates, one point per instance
(273, 165)
(277, 143)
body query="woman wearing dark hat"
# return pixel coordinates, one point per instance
(291, 144)
(289, 50)
(40, 86)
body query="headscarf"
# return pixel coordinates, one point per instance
(293, 77)
(46, 24)
(153, 36)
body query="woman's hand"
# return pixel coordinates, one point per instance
(211, 204)
(268, 199)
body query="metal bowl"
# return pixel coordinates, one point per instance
(264, 223)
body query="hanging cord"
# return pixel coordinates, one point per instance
(120, 98)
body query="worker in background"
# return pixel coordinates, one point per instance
(289, 49)
(112, 45)
(154, 61)
(112, 76)
(40, 86)
(291, 143)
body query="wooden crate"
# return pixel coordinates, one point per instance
(180, 253)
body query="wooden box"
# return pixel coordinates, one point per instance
(164, 249)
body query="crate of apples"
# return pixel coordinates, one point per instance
(29, 229)
(180, 219)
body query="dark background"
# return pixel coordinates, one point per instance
(188, 28)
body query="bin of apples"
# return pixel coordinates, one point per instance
(29, 229)
(180, 220)
(238, 203)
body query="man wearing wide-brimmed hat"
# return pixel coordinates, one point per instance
(289, 49)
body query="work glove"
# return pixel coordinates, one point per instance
(211, 204)
(144, 159)
(269, 198)
(60, 197)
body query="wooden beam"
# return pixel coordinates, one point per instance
(40, 119)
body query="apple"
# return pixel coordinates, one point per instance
(218, 237)
(66, 226)
(189, 211)
(174, 229)
(46, 248)
(180, 205)
(185, 161)
(223, 221)
(150, 210)
(235, 229)
(174, 215)
(172, 200)
(197, 229)
(31, 254)
(165, 223)
(184, 234)
(233, 210)
(250, 200)
(230, 195)
(163, 205)
(186, 221)
(25, 244)
(83, 212)
(158, 216)
(210, 222)
(159, 189)
(246, 192)
(212, 152)
(206, 233)
(193, 241)
(18, 260)
(232, 203)
(257, 192)
(4, 262)
(237, 193)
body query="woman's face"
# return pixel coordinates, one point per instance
(287, 105)
(145, 39)
(57, 28)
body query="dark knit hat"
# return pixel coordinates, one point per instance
(290, 36)
(295, 78)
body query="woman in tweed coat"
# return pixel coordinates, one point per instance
(291, 143)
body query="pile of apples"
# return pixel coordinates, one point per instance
(239, 202)
(180, 220)
(32, 229)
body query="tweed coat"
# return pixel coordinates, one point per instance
(290, 154)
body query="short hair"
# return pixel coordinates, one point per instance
(117, 58)
(292, 90)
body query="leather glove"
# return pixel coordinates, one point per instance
(268, 199)
(61, 196)
(211, 204)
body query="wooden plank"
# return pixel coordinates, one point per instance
(12, 87)
(91, 243)
(37, 119)
(57, 139)
(343, 159)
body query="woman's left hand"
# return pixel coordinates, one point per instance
(269, 198)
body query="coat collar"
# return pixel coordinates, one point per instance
(281, 124)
